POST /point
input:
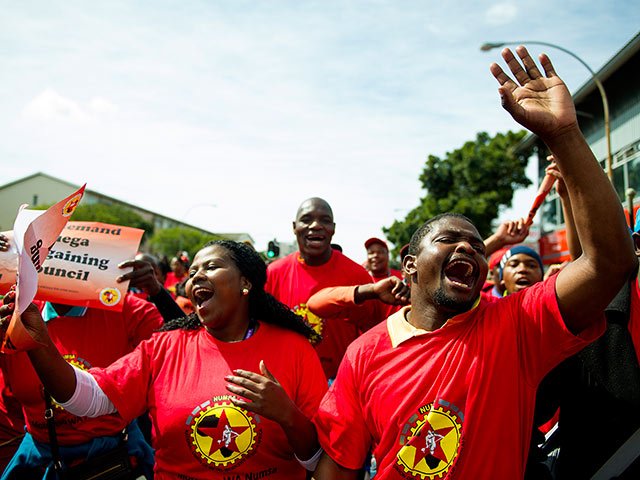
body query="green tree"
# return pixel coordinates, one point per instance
(476, 180)
(168, 241)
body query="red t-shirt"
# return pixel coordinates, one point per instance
(11, 424)
(634, 317)
(96, 339)
(292, 282)
(197, 432)
(170, 282)
(453, 403)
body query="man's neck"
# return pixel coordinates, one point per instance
(381, 273)
(316, 260)
(427, 317)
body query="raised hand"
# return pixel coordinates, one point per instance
(142, 276)
(553, 169)
(539, 103)
(513, 231)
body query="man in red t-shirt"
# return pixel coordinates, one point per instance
(315, 265)
(378, 260)
(446, 388)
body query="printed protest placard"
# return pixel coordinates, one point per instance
(82, 265)
(34, 232)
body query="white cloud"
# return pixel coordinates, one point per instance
(102, 106)
(255, 107)
(52, 106)
(501, 14)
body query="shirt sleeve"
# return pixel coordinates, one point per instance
(543, 338)
(142, 317)
(342, 431)
(126, 382)
(339, 302)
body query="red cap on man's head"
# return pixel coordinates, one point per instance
(373, 240)
(494, 258)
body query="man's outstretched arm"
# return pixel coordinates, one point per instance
(544, 105)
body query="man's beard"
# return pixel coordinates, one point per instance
(441, 299)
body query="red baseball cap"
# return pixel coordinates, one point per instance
(494, 258)
(373, 240)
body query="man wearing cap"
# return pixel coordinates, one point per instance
(378, 260)
(492, 286)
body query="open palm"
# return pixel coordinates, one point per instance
(541, 104)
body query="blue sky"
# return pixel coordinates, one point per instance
(254, 106)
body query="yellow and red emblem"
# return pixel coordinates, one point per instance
(431, 445)
(110, 296)
(309, 317)
(223, 434)
(71, 205)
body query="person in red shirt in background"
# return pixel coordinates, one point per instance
(178, 274)
(294, 278)
(88, 337)
(446, 387)
(492, 285)
(378, 260)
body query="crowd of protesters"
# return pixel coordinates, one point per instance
(315, 366)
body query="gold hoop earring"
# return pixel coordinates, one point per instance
(245, 291)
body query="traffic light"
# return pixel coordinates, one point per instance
(273, 249)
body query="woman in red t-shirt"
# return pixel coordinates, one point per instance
(179, 272)
(212, 416)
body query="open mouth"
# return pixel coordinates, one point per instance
(461, 274)
(523, 282)
(201, 295)
(315, 239)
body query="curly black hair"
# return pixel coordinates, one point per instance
(262, 305)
